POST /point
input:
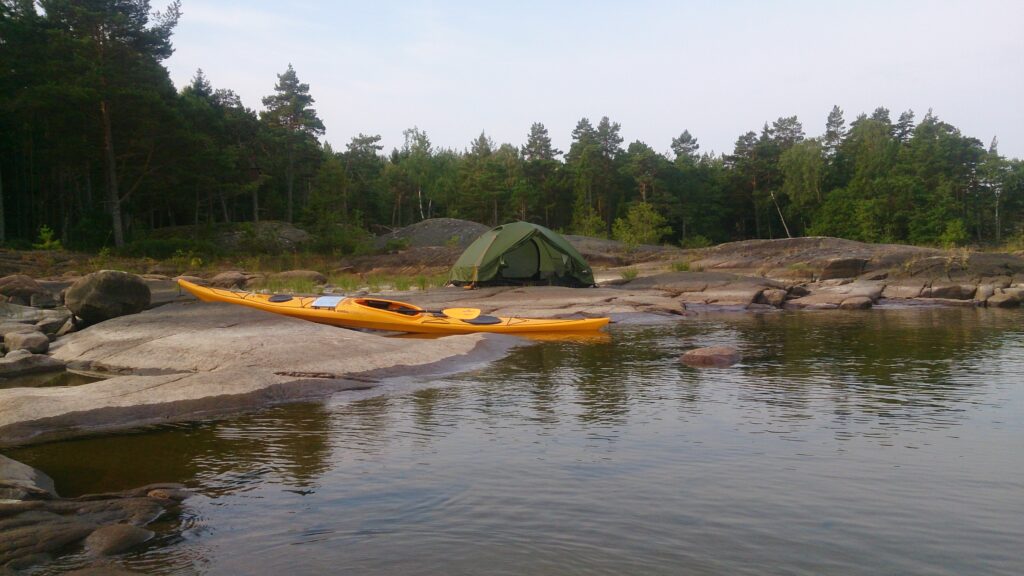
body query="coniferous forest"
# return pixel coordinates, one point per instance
(98, 149)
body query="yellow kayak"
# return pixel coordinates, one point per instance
(390, 315)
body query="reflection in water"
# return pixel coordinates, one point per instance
(843, 443)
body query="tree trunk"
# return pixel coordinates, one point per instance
(113, 197)
(255, 205)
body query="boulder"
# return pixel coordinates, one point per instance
(984, 292)
(949, 291)
(830, 295)
(10, 327)
(50, 326)
(26, 314)
(742, 293)
(43, 300)
(1016, 291)
(842, 268)
(22, 362)
(116, 538)
(230, 279)
(711, 357)
(308, 275)
(20, 286)
(904, 289)
(856, 303)
(107, 294)
(773, 297)
(1004, 300)
(35, 342)
(22, 482)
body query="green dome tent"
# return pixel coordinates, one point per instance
(521, 253)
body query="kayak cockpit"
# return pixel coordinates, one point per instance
(391, 306)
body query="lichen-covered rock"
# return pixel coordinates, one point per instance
(35, 342)
(107, 294)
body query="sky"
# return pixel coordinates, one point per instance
(717, 69)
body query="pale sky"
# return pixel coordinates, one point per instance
(718, 69)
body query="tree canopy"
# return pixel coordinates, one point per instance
(98, 147)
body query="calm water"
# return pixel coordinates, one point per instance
(884, 442)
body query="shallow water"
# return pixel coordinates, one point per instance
(879, 442)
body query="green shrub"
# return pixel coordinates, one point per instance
(396, 245)
(681, 266)
(46, 240)
(696, 241)
(629, 274)
(954, 235)
(642, 225)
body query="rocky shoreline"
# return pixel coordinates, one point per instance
(166, 357)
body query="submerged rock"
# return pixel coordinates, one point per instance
(711, 357)
(107, 294)
(22, 482)
(116, 538)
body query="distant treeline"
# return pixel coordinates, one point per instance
(99, 148)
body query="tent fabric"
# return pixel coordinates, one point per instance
(521, 253)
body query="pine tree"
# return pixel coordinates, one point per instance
(904, 126)
(835, 131)
(685, 148)
(289, 113)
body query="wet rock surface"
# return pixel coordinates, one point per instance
(37, 525)
(196, 361)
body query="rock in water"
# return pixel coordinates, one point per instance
(107, 294)
(711, 357)
(116, 538)
(22, 362)
(22, 482)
